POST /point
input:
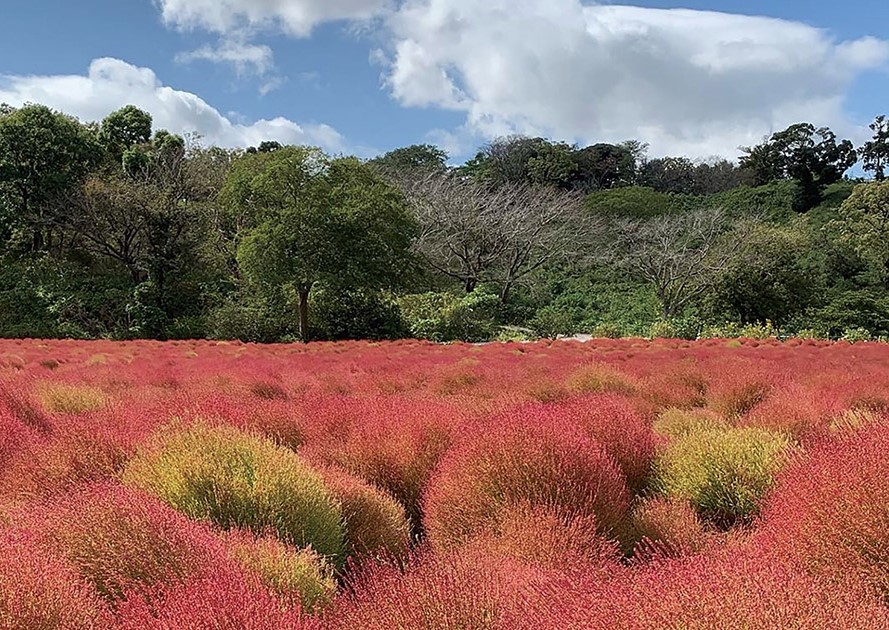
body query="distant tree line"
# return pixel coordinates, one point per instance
(120, 230)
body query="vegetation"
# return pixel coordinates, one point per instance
(117, 230)
(617, 483)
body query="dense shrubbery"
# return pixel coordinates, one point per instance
(630, 483)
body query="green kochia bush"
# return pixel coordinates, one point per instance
(723, 473)
(237, 480)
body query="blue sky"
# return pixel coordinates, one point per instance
(370, 75)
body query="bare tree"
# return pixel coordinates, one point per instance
(474, 233)
(681, 256)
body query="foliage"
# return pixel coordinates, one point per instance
(723, 473)
(447, 317)
(236, 480)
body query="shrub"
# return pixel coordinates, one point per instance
(733, 399)
(726, 589)
(828, 512)
(666, 527)
(224, 600)
(40, 590)
(539, 536)
(84, 451)
(300, 576)
(522, 460)
(723, 473)
(60, 398)
(612, 422)
(452, 590)
(447, 317)
(376, 524)
(598, 378)
(678, 423)
(551, 322)
(235, 479)
(394, 444)
(352, 314)
(122, 540)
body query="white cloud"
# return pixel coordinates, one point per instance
(112, 83)
(688, 82)
(246, 58)
(295, 17)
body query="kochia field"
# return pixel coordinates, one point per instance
(614, 484)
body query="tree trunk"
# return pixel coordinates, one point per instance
(505, 291)
(304, 312)
(469, 284)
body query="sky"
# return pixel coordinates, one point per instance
(699, 78)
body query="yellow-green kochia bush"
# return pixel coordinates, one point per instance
(237, 480)
(723, 473)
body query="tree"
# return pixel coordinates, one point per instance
(669, 175)
(765, 280)
(125, 128)
(473, 233)
(812, 157)
(864, 225)
(875, 153)
(321, 220)
(422, 158)
(681, 256)
(604, 166)
(43, 156)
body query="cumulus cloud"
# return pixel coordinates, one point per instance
(295, 17)
(111, 83)
(687, 82)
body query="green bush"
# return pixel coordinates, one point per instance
(354, 314)
(551, 322)
(447, 317)
(236, 480)
(249, 321)
(724, 473)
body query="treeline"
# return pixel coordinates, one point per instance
(119, 230)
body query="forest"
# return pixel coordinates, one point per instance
(117, 230)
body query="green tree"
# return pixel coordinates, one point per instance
(125, 128)
(765, 280)
(814, 158)
(875, 153)
(326, 220)
(424, 158)
(44, 155)
(864, 225)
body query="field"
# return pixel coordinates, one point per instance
(613, 484)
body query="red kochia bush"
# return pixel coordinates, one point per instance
(462, 589)
(395, 444)
(528, 459)
(123, 540)
(14, 435)
(224, 600)
(613, 422)
(734, 588)
(40, 591)
(829, 511)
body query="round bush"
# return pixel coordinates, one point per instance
(299, 576)
(40, 590)
(525, 459)
(724, 474)
(238, 480)
(123, 540)
(376, 524)
(666, 528)
(829, 512)
(613, 422)
(224, 600)
(393, 443)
